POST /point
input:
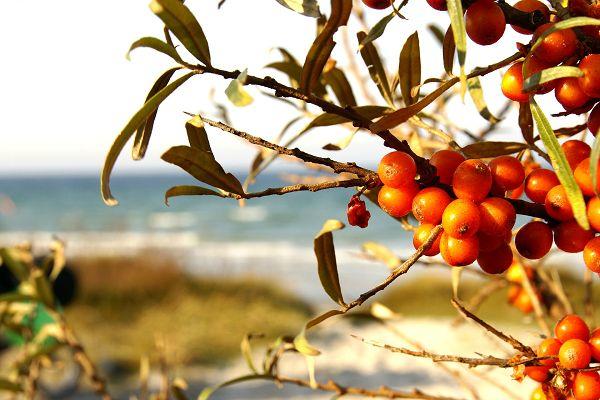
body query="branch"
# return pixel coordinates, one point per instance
(507, 338)
(470, 361)
(303, 187)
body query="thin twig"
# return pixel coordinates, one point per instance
(589, 298)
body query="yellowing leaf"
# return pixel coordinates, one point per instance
(310, 8)
(326, 260)
(236, 93)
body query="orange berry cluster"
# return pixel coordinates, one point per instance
(477, 225)
(572, 349)
(517, 295)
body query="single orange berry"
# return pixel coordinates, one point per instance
(472, 180)
(496, 261)
(515, 272)
(538, 183)
(549, 347)
(529, 6)
(586, 385)
(461, 219)
(397, 169)
(593, 122)
(538, 373)
(583, 177)
(595, 344)
(513, 292)
(516, 193)
(591, 255)
(397, 202)
(429, 205)
(557, 46)
(576, 151)
(575, 354)
(492, 242)
(570, 237)
(485, 22)
(557, 204)
(446, 162)
(459, 252)
(512, 83)
(571, 327)
(523, 302)
(534, 240)
(593, 212)
(496, 216)
(590, 81)
(421, 235)
(569, 94)
(533, 65)
(507, 172)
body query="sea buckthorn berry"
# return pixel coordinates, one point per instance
(513, 292)
(557, 46)
(496, 216)
(446, 162)
(523, 302)
(590, 81)
(575, 354)
(377, 4)
(583, 177)
(421, 235)
(549, 347)
(557, 204)
(570, 237)
(593, 122)
(591, 255)
(459, 252)
(529, 6)
(507, 172)
(576, 151)
(461, 219)
(516, 193)
(569, 94)
(397, 169)
(496, 261)
(472, 180)
(538, 373)
(538, 183)
(593, 213)
(571, 327)
(586, 385)
(357, 212)
(533, 65)
(485, 22)
(538, 394)
(429, 205)
(492, 242)
(595, 344)
(397, 202)
(512, 83)
(439, 5)
(515, 272)
(534, 240)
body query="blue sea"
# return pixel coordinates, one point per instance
(271, 236)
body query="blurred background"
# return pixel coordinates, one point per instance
(205, 271)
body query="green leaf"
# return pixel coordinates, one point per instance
(476, 92)
(190, 190)
(43, 289)
(377, 30)
(526, 122)
(550, 74)
(327, 119)
(292, 70)
(560, 165)
(493, 149)
(310, 8)
(342, 144)
(336, 79)
(15, 297)
(246, 350)
(10, 259)
(196, 133)
(303, 346)
(202, 166)
(143, 133)
(371, 58)
(321, 49)
(10, 386)
(209, 391)
(236, 93)
(180, 20)
(136, 121)
(594, 159)
(156, 44)
(457, 22)
(382, 253)
(436, 32)
(326, 261)
(565, 24)
(409, 69)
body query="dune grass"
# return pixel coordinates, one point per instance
(125, 303)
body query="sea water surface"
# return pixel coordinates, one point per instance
(268, 237)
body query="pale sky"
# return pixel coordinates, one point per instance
(67, 89)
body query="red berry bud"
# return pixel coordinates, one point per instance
(357, 212)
